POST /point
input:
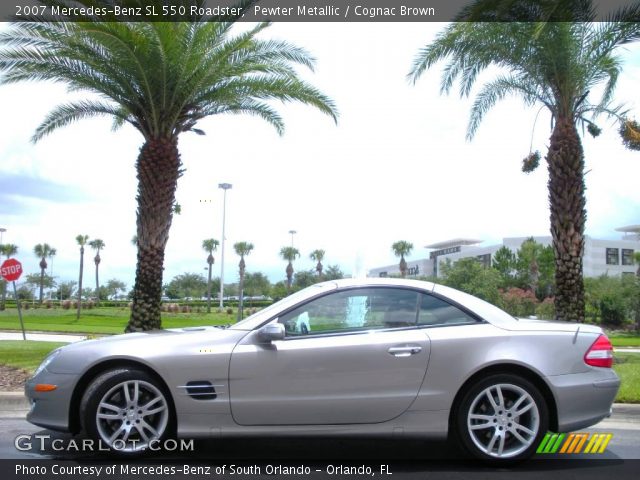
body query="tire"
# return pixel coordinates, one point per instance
(126, 411)
(501, 419)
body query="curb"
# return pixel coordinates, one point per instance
(13, 404)
(9, 399)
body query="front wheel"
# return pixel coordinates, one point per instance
(126, 411)
(502, 418)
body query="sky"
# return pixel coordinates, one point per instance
(396, 166)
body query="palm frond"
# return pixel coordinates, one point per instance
(71, 112)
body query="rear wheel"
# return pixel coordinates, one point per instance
(126, 411)
(502, 418)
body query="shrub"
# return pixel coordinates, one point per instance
(229, 311)
(519, 302)
(546, 309)
(612, 310)
(66, 304)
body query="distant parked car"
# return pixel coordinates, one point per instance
(371, 356)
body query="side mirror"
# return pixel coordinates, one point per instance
(271, 332)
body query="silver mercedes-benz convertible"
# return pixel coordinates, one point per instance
(370, 357)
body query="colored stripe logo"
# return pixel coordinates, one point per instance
(580, 442)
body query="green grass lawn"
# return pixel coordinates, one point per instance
(627, 366)
(100, 320)
(625, 339)
(25, 354)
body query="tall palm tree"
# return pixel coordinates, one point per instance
(556, 65)
(289, 254)
(42, 251)
(210, 245)
(243, 249)
(400, 249)
(318, 256)
(82, 241)
(161, 78)
(8, 250)
(97, 245)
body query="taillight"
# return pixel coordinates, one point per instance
(600, 354)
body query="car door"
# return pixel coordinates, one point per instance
(352, 356)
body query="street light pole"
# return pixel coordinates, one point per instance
(2, 230)
(292, 232)
(225, 187)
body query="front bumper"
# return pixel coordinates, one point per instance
(583, 399)
(50, 409)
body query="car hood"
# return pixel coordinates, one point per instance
(141, 346)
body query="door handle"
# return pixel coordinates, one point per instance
(404, 351)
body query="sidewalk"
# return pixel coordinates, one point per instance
(43, 337)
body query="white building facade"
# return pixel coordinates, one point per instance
(601, 256)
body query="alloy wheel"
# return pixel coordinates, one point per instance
(132, 415)
(503, 420)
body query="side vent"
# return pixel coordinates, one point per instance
(201, 390)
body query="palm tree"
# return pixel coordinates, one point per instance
(82, 241)
(8, 250)
(42, 251)
(318, 256)
(289, 254)
(400, 249)
(97, 245)
(161, 78)
(210, 245)
(243, 249)
(555, 64)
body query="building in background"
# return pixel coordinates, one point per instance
(601, 256)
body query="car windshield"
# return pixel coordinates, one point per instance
(258, 318)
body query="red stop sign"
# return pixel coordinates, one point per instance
(11, 270)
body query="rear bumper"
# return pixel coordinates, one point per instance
(583, 399)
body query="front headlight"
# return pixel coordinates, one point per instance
(48, 359)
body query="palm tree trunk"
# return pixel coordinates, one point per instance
(241, 298)
(80, 282)
(565, 162)
(97, 261)
(158, 167)
(41, 285)
(289, 272)
(209, 290)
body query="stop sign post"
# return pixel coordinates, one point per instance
(10, 270)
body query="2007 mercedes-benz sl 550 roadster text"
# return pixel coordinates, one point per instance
(349, 357)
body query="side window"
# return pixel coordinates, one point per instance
(353, 310)
(434, 311)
